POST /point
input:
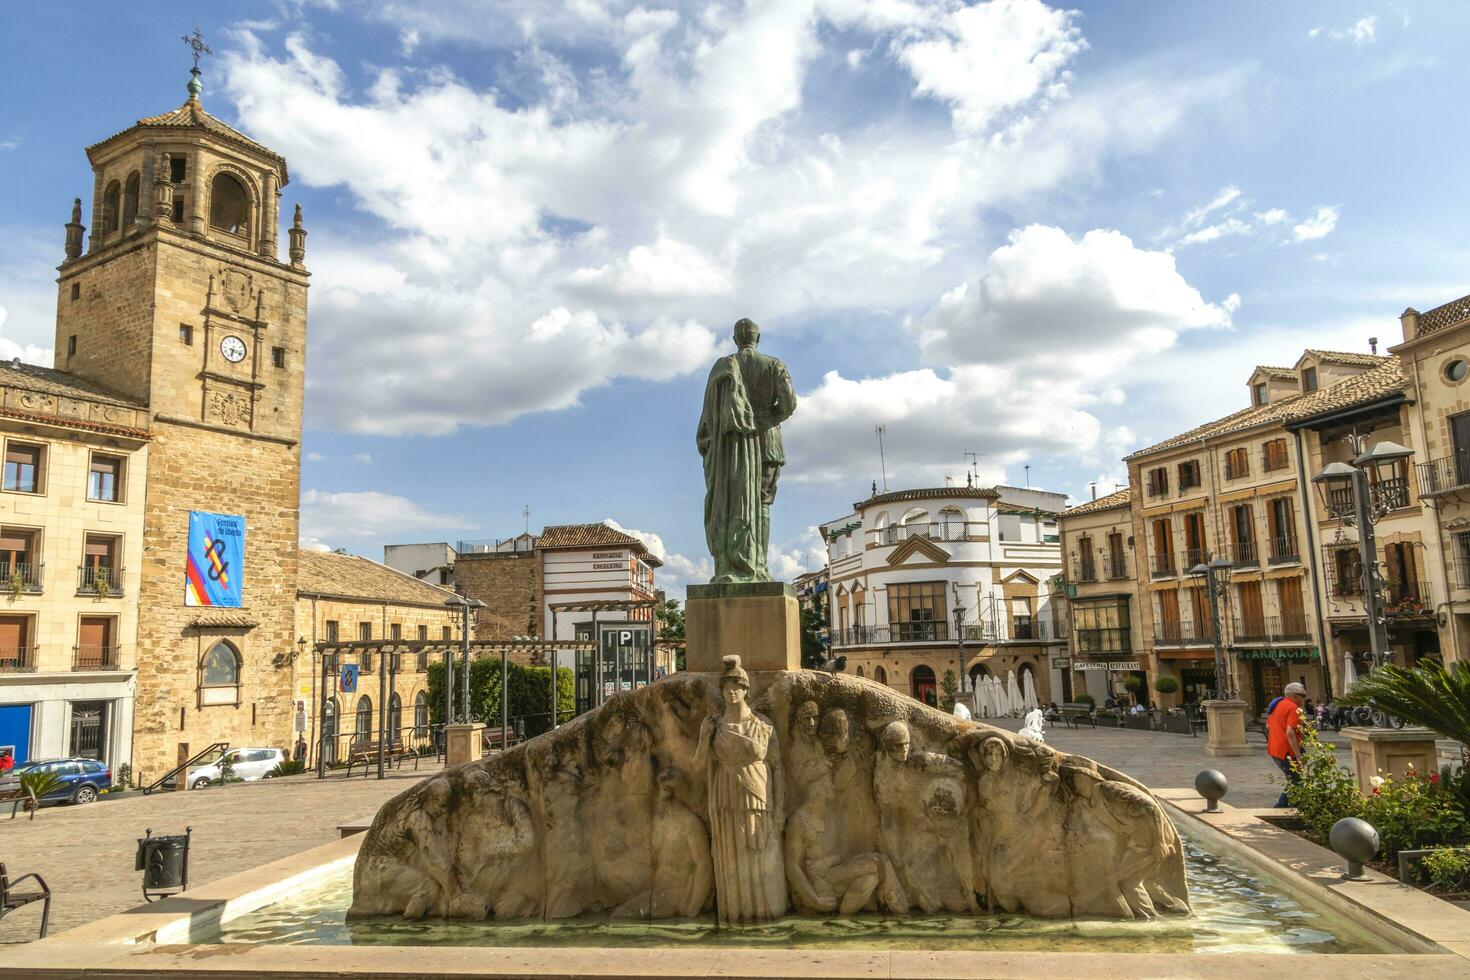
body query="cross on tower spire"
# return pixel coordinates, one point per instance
(196, 43)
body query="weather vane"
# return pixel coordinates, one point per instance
(196, 42)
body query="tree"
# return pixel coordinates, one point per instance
(671, 628)
(813, 624)
(948, 688)
(1426, 694)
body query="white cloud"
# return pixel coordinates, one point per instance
(1272, 216)
(314, 457)
(8, 145)
(28, 353)
(363, 457)
(1319, 225)
(665, 269)
(1197, 216)
(1361, 32)
(678, 570)
(367, 517)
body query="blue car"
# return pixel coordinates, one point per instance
(82, 780)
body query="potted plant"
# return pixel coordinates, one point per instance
(15, 583)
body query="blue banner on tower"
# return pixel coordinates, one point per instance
(215, 568)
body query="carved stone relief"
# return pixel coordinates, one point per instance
(227, 408)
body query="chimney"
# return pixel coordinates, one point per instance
(1409, 319)
(1373, 345)
(1094, 490)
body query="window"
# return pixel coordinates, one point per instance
(1309, 379)
(1456, 371)
(179, 209)
(1345, 572)
(229, 205)
(1195, 549)
(15, 653)
(421, 714)
(1158, 481)
(364, 631)
(395, 716)
(100, 574)
(95, 650)
(1086, 563)
(423, 633)
(130, 201)
(186, 335)
(23, 467)
(331, 630)
(364, 722)
(104, 479)
(76, 291)
(1117, 562)
(111, 206)
(1273, 455)
(1243, 535)
(1237, 464)
(880, 675)
(1102, 625)
(447, 633)
(1282, 518)
(1260, 395)
(177, 168)
(1462, 558)
(278, 357)
(71, 346)
(219, 675)
(1163, 548)
(1189, 474)
(395, 631)
(916, 611)
(19, 563)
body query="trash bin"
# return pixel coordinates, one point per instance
(164, 861)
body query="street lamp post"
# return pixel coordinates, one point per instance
(471, 612)
(454, 603)
(1348, 494)
(1216, 577)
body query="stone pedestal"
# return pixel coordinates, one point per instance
(1390, 751)
(1227, 728)
(760, 621)
(462, 743)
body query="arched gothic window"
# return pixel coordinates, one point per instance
(229, 205)
(421, 714)
(364, 729)
(219, 675)
(880, 675)
(111, 207)
(395, 716)
(130, 201)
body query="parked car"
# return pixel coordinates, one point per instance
(82, 780)
(248, 764)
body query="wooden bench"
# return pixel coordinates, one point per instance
(367, 754)
(1075, 711)
(491, 739)
(10, 899)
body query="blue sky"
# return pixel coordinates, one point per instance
(1049, 235)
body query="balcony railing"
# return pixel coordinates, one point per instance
(1163, 565)
(935, 531)
(94, 658)
(1183, 634)
(17, 660)
(1284, 551)
(1117, 567)
(1290, 628)
(1087, 571)
(20, 576)
(101, 580)
(1193, 557)
(1243, 554)
(926, 632)
(1108, 640)
(1444, 475)
(1394, 492)
(1407, 597)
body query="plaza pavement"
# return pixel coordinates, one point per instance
(86, 853)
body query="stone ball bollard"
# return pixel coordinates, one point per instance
(1355, 841)
(1212, 785)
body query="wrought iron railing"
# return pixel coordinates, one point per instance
(1291, 628)
(1407, 597)
(1394, 492)
(1117, 567)
(17, 660)
(1444, 475)
(1193, 557)
(94, 658)
(1284, 550)
(1182, 633)
(1243, 553)
(1163, 565)
(935, 530)
(1086, 570)
(99, 580)
(21, 576)
(1107, 640)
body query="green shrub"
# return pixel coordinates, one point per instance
(1133, 683)
(1086, 699)
(1448, 867)
(1326, 791)
(1413, 811)
(292, 767)
(39, 782)
(1166, 684)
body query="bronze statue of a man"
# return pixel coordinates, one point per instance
(747, 397)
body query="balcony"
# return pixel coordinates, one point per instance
(1183, 634)
(1407, 597)
(1441, 476)
(1163, 565)
(99, 580)
(17, 660)
(1117, 567)
(935, 531)
(1394, 492)
(1290, 628)
(94, 658)
(1284, 551)
(1195, 556)
(1087, 571)
(923, 632)
(1244, 554)
(1108, 640)
(19, 577)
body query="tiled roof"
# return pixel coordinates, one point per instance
(1346, 357)
(326, 573)
(935, 493)
(1277, 373)
(18, 374)
(1450, 314)
(1024, 511)
(1385, 379)
(191, 115)
(1119, 498)
(592, 536)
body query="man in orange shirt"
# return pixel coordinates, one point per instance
(1284, 733)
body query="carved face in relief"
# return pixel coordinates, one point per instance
(806, 718)
(835, 731)
(732, 692)
(896, 742)
(993, 754)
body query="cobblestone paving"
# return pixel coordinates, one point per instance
(86, 853)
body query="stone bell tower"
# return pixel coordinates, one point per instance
(181, 300)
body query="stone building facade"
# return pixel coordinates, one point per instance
(509, 583)
(345, 598)
(947, 580)
(71, 546)
(1100, 552)
(181, 303)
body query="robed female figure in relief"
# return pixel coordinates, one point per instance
(743, 768)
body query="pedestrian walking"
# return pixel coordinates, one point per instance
(1284, 734)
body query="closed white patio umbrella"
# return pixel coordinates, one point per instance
(1013, 694)
(1028, 691)
(1349, 673)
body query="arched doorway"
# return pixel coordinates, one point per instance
(329, 731)
(880, 675)
(860, 670)
(395, 717)
(421, 715)
(922, 686)
(1022, 673)
(363, 730)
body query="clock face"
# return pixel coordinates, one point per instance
(233, 348)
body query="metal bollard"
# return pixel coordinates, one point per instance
(1212, 785)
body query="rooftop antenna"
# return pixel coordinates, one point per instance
(974, 459)
(882, 460)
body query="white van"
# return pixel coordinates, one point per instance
(248, 764)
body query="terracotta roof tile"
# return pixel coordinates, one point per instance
(326, 573)
(191, 115)
(933, 493)
(1118, 498)
(1347, 357)
(1450, 314)
(1278, 373)
(18, 374)
(1384, 379)
(592, 536)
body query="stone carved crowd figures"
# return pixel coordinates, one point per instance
(743, 785)
(829, 795)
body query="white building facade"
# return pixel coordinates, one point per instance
(932, 588)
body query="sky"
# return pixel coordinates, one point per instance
(1045, 235)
